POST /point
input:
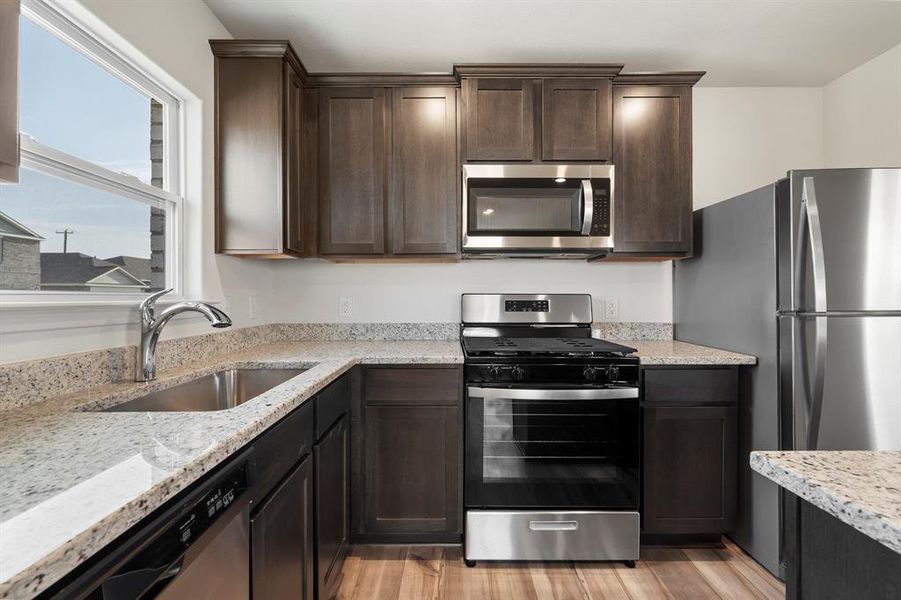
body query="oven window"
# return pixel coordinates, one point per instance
(524, 206)
(547, 441)
(563, 453)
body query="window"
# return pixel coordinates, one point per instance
(97, 208)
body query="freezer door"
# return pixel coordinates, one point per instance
(840, 240)
(841, 378)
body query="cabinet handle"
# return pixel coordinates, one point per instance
(553, 525)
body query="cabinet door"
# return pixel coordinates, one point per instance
(282, 539)
(9, 91)
(689, 474)
(652, 154)
(498, 119)
(424, 191)
(352, 167)
(577, 119)
(412, 470)
(331, 455)
(293, 211)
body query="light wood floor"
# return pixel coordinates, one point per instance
(434, 572)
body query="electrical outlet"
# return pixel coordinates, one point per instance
(611, 309)
(252, 308)
(345, 307)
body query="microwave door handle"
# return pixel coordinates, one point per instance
(587, 206)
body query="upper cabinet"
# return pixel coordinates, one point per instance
(260, 208)
(577, 119)
(532, 113)
(424, 175)
(353, 161)
(652, 155)
(9, 91)
(388, 171)
(498, 118)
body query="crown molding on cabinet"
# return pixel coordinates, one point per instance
(260, 49)
(538, 70)
(659, 78)
(380, 79)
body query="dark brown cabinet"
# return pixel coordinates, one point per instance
(498, 118)
(388, 171)
(282, 539)
(259, 114)
(9, 91)
(652, 154)
(352, 170)
(331, 455)
(409, 456)
(554, 113)
(576, 119)
(689, 471)
(424, 180)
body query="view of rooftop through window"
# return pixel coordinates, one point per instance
(58, 234)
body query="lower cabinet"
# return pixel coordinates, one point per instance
(690, 446)
(408, 471)
(282, 538)
(331, 456)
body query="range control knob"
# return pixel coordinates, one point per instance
(494, 372)
(590, 373)
(518, 373)
(613, 373)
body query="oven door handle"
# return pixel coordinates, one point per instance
(545, 394)
(587, 206)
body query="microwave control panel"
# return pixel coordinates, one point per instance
(600, 221)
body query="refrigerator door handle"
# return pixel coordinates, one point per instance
(809, 219)
(821, 331)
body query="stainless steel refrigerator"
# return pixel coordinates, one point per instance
(805, 274)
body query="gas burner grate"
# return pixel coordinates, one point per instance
(527, 346)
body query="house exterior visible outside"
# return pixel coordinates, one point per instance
(77, 272)
(20, 249)
(24, 267)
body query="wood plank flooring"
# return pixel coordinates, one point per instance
(438, 573)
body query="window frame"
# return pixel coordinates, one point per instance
(51, 161)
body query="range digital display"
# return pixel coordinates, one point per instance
(526, 306)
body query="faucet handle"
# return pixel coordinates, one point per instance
(147, 304)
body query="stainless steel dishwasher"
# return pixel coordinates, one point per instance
(197, 549)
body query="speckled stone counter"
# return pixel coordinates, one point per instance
(862, 489)
(672, 352)
(74, 480)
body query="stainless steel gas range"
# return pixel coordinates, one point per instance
(552, 432)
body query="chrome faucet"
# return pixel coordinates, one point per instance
(152, 326)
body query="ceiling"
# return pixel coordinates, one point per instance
(738, 42)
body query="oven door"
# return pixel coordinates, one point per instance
(537, 207)
(555, 447)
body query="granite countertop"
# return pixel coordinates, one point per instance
(673, 352)
(862, 489)
(74, 480)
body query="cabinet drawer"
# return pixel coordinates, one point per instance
(277, 450)
(566, 535)
(331, 403)
(691, 386)
(430, 387)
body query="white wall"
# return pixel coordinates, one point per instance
(308, 291)
(170, 41)
(746, 137)
(862, 115)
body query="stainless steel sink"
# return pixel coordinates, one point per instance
(217, 391)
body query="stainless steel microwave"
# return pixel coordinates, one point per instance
(537, 210)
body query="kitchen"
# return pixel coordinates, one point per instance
(487, 320)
